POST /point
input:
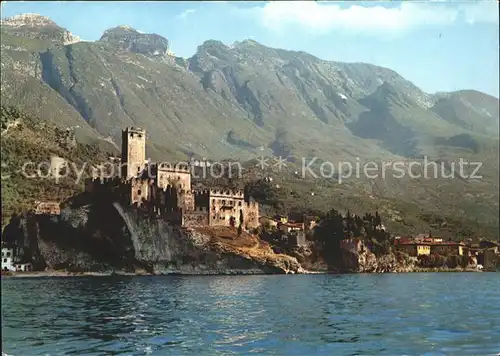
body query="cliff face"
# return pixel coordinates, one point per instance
(357, 257)
(107, 238)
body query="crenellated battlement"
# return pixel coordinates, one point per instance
(251, 204)
(166, 190)
(226, 193)
(134, 130)
(176, 167)
(148, 181)
(105, 180)
(186, 192)
(199, 209)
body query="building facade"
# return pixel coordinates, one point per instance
(166, 190)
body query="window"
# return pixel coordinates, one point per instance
(5, 260)
(239, 203)
(8, 254)
(223, 202)
(139, 192)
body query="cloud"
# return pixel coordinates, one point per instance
(319, 17)
(185, 13)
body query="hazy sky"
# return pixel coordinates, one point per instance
(438, 45)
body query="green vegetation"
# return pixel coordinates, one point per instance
(248, 100)
(27, 139)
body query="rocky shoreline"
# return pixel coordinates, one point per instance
(111, 240)
(52, 274)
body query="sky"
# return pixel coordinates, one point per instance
(439, 45)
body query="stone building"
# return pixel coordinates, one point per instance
(426, 247)
(48, 207)
(166, 190)
(414, 248)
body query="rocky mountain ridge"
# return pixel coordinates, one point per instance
(39, 27)
(242, 101)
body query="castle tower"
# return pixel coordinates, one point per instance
(133, 152)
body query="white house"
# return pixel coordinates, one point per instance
(8, 259)
(23, 267)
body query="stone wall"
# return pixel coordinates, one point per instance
(174, 175)
(139, 191)
(251, 215)
(297, 239)
(197, 217)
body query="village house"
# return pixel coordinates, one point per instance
(449, 248)
(490, 245)
(290, 226)
(412, 247)
(427, 246)
(23, 267)
(8, 259)
(12, 259)
(268, 221)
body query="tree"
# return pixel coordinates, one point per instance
(240, 227)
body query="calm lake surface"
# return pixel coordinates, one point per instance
(405, 314)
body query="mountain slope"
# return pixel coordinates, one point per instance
(470, 110)
(247, 90)
(247, 100)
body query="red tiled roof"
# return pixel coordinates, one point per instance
(291, 224)
(433, 243)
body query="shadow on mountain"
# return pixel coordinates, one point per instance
(382, 126)
(233, 139)
(465, 140)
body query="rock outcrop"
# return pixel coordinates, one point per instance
(111, 238)
(130, 40)
(39, 27)
(357, 257)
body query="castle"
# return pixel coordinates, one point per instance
(165, 190)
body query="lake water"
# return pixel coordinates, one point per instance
(391, 314)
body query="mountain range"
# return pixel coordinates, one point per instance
(245, 100)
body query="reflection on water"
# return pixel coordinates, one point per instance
(412, 314)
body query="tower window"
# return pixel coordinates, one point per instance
(140, 136)
(139, 192)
